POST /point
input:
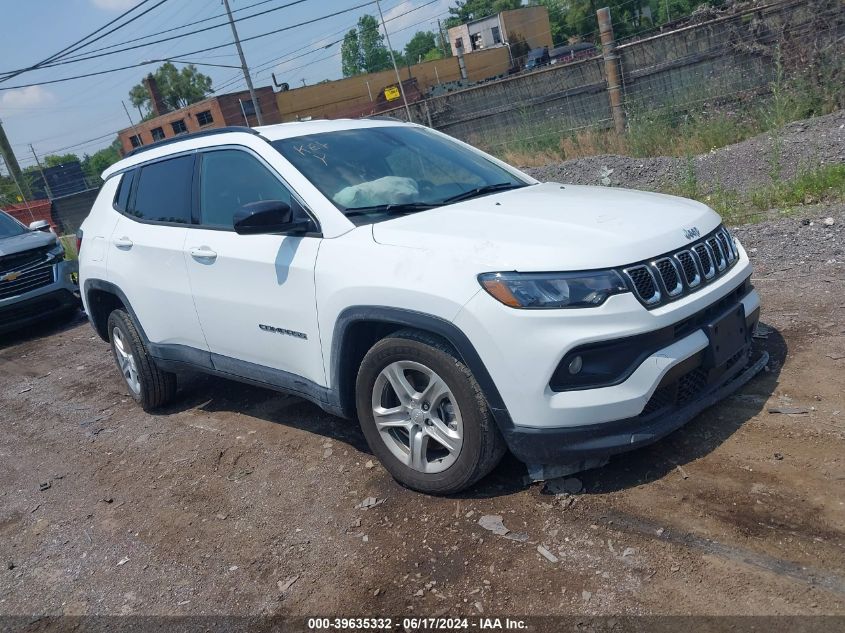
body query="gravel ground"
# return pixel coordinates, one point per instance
(740, 167)
(237, 500)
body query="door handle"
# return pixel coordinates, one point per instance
(204, 254)
(123, 243)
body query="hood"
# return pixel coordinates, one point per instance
(550, 227)
(25, 242)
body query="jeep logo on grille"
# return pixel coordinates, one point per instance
(692, 233)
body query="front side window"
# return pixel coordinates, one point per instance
(403, 169)
(9, 227)
(231, 179)
(163, 193)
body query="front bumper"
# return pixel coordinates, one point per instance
(575, 445)
(60, 296)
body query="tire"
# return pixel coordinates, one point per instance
(456, 438)
(147, 384)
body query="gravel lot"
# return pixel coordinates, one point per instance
(238, 500)
(747, 165)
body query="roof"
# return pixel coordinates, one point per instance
(304, 128)
(224, 136)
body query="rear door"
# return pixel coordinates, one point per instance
(254, 294)
(147, 254)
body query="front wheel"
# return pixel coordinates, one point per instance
(424, 415)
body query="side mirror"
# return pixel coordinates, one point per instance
(40, 225)
(267, 216)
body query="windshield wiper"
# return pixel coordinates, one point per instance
(407, 207)
(480, 191)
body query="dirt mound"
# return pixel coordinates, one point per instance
(741, 167)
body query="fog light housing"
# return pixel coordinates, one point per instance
(575, 365)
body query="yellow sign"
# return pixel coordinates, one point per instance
(391, 93)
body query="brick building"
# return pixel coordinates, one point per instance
(235, 108)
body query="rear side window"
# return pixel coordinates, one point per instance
(121, 196)
(163, 193)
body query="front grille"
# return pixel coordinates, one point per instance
(690, 385)
(663, 397)
(644, 283)
(26, 281)
(21, 261)
(676, 394)
(679, 273)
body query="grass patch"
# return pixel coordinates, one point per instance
(69, 242)
(811, 186)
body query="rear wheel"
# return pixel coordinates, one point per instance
(424, 415)
(148, 385)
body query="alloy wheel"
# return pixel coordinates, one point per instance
(126, 362)
(417, 416)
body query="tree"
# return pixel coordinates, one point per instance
(432, 55)
(467, 10)
(350, 54)
(375, 56)
(93, 166)
(178, 88)
(363, 49)
(419, 46)
(54, 160)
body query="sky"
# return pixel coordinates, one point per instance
(83, 115)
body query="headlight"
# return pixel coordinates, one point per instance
(553, 290)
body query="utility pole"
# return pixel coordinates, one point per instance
(9, 156)
(244, 66)
(611, 70)
(131, 122)
(443, 42)
(393, 61)
(41, 171)
(18, 185)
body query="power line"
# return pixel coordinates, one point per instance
(173, 37)
(170, 30)
(70, 48)
(189, 54)
(283, 59)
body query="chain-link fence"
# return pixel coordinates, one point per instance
(713, 66)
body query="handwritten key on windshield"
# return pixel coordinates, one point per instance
(315, 149)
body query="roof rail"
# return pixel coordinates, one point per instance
(192, 135)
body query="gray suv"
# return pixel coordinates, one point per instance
(36, 279)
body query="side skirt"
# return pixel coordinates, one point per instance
(177, 358)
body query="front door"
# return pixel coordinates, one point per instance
(254, 294)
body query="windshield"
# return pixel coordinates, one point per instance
(370, 173)
(9, 227)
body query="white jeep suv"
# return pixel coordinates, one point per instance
(454, 305)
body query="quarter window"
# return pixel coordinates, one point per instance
(121, 197)
(231, 179)
(164, 191)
